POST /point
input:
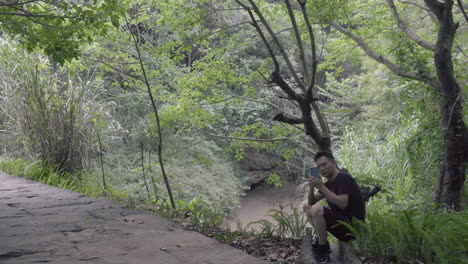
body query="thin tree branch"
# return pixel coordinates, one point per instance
(276, 78)
(278, 44)
(101, 160)
(310, 89)
(18, 3)
(261, 102)
(413, 36)
(297, 34)
(143, 170)
(460, 5)
(246, 139)
(260, 32)
(26, 14)
(296, 127)
(155, 109)
(384, 60)
(259, 140)
(461, 50)
(220, 30)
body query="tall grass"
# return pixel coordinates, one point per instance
(41, 172)
(13, 166)
(52, 109)
(412, 235)
(284, 225)
(402, 222)
(405, 170)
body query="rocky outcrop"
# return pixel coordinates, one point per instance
(258, 165)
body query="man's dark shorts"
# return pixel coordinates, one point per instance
(335, 227)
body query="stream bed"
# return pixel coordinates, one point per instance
(262, 198)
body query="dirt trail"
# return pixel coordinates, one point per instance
(44, 224)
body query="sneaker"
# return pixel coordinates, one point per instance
(315, 244)
(322, 254)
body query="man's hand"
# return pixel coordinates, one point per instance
(316, 183)
(314, 197)
(339, 200)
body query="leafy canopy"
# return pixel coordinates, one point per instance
(58, 28)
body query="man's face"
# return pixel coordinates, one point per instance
(326, 167)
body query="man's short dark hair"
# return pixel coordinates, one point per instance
(327, 154)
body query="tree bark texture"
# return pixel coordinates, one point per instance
(452, 173)
(305, 105)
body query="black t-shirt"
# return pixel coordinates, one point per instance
(344, 183)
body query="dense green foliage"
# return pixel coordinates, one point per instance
(40, 172)
(208, 71)
(58, 28)
(415, 235)
(55, 113)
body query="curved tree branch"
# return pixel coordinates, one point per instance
(261, 102)
(428, 10)
(384, 60)
(413, 36)
(246, 139)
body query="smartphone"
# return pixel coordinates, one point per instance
(314, 172)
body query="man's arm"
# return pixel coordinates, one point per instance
(339, 200)
(314, 197)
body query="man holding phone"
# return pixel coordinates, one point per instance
(345, 202)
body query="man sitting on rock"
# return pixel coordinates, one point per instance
(345, 201)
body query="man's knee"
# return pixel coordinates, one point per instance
(316, 210)
(312, 210)
(305, 207)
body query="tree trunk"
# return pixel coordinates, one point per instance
(452, 173)
(455, 155)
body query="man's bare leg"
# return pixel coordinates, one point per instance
(315, 215)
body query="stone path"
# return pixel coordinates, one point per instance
(340, 253)
(45, 224)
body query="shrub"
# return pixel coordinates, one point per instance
(53, 112)
(429, 236)
(41, 172)
(284, 225)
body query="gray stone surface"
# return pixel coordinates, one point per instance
(45, 224)
(340, 253)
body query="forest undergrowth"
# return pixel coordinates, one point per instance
(406, 235)
(402, 224)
